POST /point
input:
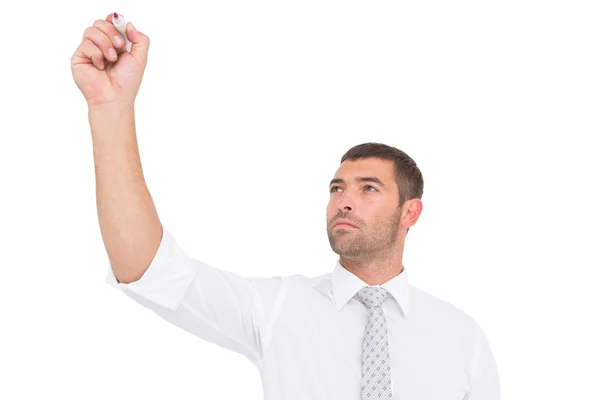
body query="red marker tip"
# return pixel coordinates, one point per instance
(115, 15)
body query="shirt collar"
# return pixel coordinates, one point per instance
(345, 285)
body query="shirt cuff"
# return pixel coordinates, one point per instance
(168, 277)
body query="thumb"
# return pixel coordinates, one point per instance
(139, 44)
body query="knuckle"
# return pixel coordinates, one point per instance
(91, 48)
(102, 41)
(106, 27)
(96, 34)
(87, 32)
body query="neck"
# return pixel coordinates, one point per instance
(374, 272)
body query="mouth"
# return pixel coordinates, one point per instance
(343, 225)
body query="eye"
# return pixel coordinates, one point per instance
(366, 186)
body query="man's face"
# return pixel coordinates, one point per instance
(370, 205)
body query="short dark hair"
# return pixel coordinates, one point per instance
(407, 175)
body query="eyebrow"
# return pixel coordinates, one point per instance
(359, 179)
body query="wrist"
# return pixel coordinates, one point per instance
(111, 108)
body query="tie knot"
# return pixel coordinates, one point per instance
(373, 296)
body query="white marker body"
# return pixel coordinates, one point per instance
(121, 26)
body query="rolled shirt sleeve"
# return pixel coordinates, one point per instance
(483, 371)
(221, 307)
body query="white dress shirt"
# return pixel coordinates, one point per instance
(305, 334)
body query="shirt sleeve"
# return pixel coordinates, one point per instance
(483, 371)
(232, 311)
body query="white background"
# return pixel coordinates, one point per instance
(244, 113)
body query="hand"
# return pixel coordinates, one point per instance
(103, 76)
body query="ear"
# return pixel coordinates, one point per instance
(411, 212)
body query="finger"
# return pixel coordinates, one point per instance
(109, 29)
(139, 44)
(92, 52)
(109, 19)
(101, 40)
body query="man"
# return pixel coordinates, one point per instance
(359, 332)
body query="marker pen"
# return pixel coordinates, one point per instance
(121, 25)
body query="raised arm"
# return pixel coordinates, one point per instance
(146, 262)
(109, 77)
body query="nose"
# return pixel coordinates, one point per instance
(345, 202)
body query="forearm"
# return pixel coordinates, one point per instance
(129, 223)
